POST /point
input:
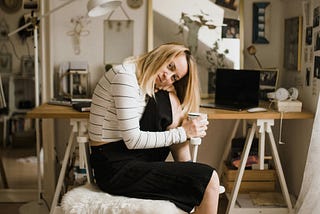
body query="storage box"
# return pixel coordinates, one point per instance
(252, 180)
(289, 106)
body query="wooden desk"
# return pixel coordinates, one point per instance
(65, 112)
(78, 122)
(263, 120)
(271, 114)
(55, 111)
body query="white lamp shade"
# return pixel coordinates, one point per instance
(101, 7)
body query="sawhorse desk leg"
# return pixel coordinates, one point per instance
(78, 126)
(228, 146)
(264, 127)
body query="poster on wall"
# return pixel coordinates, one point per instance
(261, 23)
(292, 43)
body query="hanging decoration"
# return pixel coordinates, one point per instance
(78, 30)
(11, 6)
(28, 31)
(118, 39)
(135, 4)
(4, 30)
(194, 23)
(5, 60)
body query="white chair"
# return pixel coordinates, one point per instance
(89, 199)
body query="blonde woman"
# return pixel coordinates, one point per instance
(138, 115)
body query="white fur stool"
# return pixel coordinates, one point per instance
(88, 199)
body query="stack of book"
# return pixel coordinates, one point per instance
(82, 106)
(79, 104)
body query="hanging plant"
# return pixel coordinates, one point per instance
(216, 59)
(194, 23)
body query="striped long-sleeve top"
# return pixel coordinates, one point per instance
(117, 106)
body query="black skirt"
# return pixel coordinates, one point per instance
(143, 173)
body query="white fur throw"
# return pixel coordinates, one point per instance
(88, 199)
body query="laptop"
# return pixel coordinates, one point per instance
(236, 90)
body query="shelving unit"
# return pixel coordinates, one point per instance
(20, 97)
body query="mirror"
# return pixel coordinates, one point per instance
(211, 31)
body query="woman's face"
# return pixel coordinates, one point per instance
(171, 72)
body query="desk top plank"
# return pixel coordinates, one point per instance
(56, 111)
(270, 114)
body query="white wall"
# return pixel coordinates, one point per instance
(92, 45)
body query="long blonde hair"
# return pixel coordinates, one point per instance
(187, 88)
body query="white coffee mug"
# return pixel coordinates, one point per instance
(193, 115)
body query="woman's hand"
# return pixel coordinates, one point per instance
(196, 127)
(169, 88)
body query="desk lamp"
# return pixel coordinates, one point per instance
(252, 51)
(95, 8)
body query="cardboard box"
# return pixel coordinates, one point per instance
(252, 180)
(289, 106)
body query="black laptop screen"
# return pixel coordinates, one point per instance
(238, 88)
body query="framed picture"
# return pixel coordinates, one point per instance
(316, 17)
(292, 43)
(231, 28)
(268, 82)
(316, 69)
(5, 62)
(230, 4)
(79, 83)
(261, 23)
(27, 65)
(317, 41)
(309, 35)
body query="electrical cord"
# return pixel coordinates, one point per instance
(280, 131)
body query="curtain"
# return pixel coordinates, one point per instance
(308, 200)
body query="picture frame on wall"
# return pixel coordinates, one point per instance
(293, 43)
(316, 69)
(316, 17)
(5, 62)
(261, 23)
(27, 65)
(231, 29)
(309, 35)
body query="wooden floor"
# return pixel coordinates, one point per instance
(21, 172)
(10, 208)
(20, 167)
